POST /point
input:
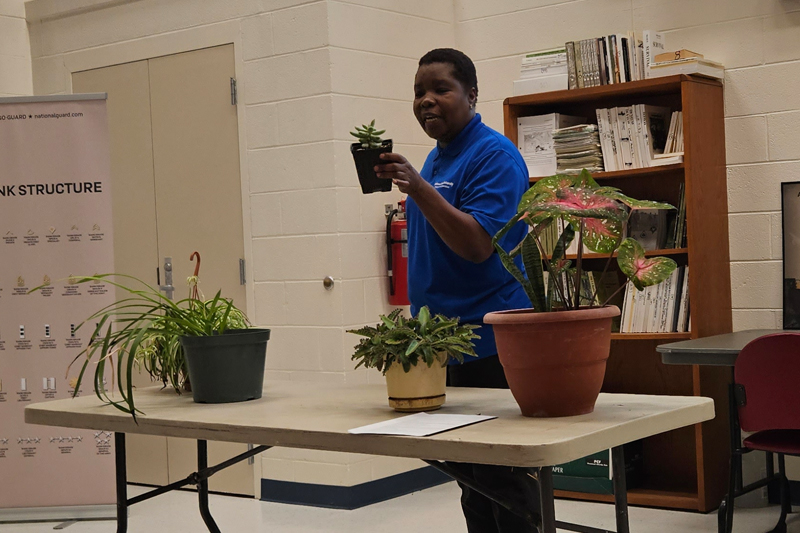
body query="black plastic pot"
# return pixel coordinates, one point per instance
(226, 368)
(366, 159)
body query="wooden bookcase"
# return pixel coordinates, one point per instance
(686, 468)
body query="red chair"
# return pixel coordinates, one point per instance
(767, 393)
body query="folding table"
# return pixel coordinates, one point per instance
(318, 416)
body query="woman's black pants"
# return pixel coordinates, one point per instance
(514, 483)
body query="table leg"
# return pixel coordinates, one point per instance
(736, 430)
(547, 499)
(620, 489)
(122, 482)
(202, 487)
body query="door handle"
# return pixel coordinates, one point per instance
(167, 288)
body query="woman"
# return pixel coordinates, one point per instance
(468, 188)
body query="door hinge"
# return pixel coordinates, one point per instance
(242, 277)
(234, 92)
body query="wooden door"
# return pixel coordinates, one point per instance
(181, 105)
(134, 215)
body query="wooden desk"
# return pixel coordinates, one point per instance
(722, 350)
(317, 416)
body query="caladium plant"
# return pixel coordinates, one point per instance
(596, 216)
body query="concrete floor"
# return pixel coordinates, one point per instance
(435, 510)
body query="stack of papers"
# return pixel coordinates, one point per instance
(578, 147)
(420, 424)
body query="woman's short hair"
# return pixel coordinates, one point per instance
(463, 68)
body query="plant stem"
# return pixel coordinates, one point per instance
(614, 294)
(578, 266)
(605, 269)
(549, 272)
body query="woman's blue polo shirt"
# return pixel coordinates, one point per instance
(481, 173)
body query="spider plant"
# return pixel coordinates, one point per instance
(143, 329)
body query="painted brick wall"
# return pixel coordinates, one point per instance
(758, 41)
(15, 51)
(315, 68)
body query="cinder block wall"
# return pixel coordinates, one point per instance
(758, 41)
(309, 216)
(15, 50)
(313, 69)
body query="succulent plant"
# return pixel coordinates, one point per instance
(368, 136)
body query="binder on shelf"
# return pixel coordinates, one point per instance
(535, 141)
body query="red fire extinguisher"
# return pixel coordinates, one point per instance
(397, 253)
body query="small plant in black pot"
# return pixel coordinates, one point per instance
(366, 154)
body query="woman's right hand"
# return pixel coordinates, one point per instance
(401, 172)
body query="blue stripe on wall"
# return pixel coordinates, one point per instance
(337, 497)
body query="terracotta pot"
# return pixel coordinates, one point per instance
(554, 362)
(422, 388)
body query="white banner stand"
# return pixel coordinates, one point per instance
(55, 224)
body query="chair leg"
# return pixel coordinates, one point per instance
(725, 512)
(786, 502)
(721, 514)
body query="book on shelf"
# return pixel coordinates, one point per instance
(608, 291)
(649, 228)
(674, 142)
(540, 84)
(542, 72)
(636, 136)
(661, 308)
(577, 148)
(682, 323)
(610, 59)
(693, 65)
(572, 79)
(667, 159)
(676, 232)
(653, 45)
(677, 54)
(535, 141)
(654, 122)
(545, 57)
(686, 61)
(550, 235)
(605, 60)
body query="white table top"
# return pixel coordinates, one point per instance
(317, 416)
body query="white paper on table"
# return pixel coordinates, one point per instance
(420, 424)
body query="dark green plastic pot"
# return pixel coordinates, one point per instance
(226, 368)
(366, 159)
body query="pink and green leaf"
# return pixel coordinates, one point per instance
(576, 202)
(633, 203)
(642, 271)
(599, 235)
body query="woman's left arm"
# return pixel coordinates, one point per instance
(459, 230)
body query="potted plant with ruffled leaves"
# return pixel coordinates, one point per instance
(413, 353)
(366, 154)
(554, 354)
